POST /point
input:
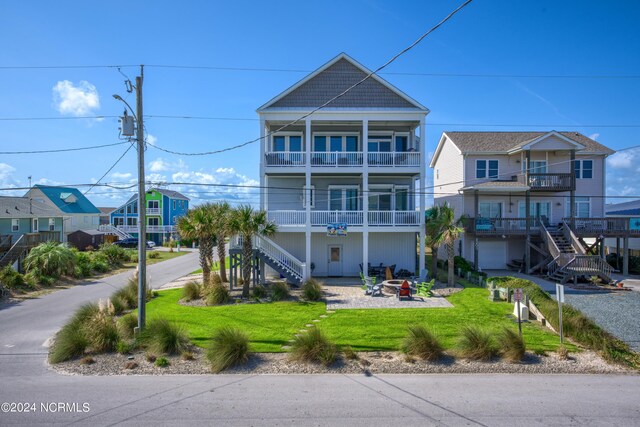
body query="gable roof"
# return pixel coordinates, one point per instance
(81, 205)
(497, 142)
(170, 193)
(335, 77)
(24, 207)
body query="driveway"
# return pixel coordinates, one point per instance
(614, 311)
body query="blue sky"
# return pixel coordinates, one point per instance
(502, 37)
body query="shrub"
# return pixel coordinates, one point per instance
(312, 290)
(161, 362)
(126, 325)
(87, 360)
(11, 278)
(70, 342)
(153, 255)
(129, 293)
(279, 291)
(562, 352)
(162, 336)
(123, 347)
(99, 266)
(119, 306)
(259, 292)
(191, 291)
(313, 347)
(101, 332)
(476, 344)
(50, 259)
(422, 343)
(229, 346)
(512, 345)
(114, 255)
(187, 355)
(217, 294)
(349, 354)
(214, 279)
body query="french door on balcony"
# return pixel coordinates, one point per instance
(538, 210)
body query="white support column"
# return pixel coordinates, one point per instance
(307, 197)
(365, 196)
(422, 189)
(263, 146)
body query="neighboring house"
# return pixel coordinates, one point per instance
(83, 239)
(163, 209)
(624, 214)
(354, 163)
(499, 179)
(25, 223)
(105, 215)
(78, 212)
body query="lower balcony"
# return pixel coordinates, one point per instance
(294, 218)
(150, 228)
(500, 226)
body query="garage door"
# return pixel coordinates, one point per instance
(492, 255)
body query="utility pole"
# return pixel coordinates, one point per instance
(142, 208)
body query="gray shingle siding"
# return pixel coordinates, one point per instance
(335, 80)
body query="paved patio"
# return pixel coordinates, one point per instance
(347, 293)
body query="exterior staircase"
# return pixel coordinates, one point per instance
(25, 243)
(271, 254)
(569, 257)
(110, 229)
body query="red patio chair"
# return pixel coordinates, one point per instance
(404, 290)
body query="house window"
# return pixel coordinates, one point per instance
(379, 143)
(153, 221)
(343, 198)
(320, 143)
(15, 225)
(52, 224)
(175, 203)
(380, 199)
(35, 225)
(312, 196)
(95, 220)
(486, 169)
(437, 173)
(538, 210)
(538, 166)
(490, 209)
(153, 204)
(85, 219)
(287, 143)
(583, 207)
(132, 222)
(402, 198)
(135, 207)
(336, 143)
(129, 207)
(583, 169)
(401, 143)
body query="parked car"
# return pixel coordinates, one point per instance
(132, 243)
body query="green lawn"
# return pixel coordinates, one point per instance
(163, 257)
(270, 326)
(214, 267)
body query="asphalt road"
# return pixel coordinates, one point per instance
(354, 400)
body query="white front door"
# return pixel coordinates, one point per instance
(35, 225)
(335, 260)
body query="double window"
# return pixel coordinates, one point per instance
(379, 143)
(583, 169)
(153, 221)
(153, 204)
(538, 166)
(132, 221)
(487, 169)
(335, 143)
(287, 143)
(389, 198)
(343, 198)
(52, 224)
(490, 209)
(583, 207)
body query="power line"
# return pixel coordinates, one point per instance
(340, 95)
(55, 118)
(110, 169)
(58, 67)
(63, 150)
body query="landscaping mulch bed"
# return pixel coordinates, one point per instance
(235, 297)
(585, 362)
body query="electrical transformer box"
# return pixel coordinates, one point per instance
(128, 127)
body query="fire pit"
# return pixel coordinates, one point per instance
(391, 286)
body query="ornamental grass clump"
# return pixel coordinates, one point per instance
(229, 347)
(476, 344)
(164, 337)
(101, 332)
(312, 290)
(127, 324)
(259, 292)
(279, 291)
(512, 346)
(217, 294)
(313, 347)
(71, 341)
(191, 291)
(422, 343)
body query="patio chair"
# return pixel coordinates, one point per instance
(404, 291)
(424, 289)
(370, 287)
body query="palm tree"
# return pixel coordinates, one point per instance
(221, 215)
(432, 231)
(450, 230)
(199, 224)
(249, 223)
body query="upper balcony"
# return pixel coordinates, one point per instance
(298, 218)
(548, 181)
(337, 159)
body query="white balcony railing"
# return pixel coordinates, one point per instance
(154, 211)
(295, 218)
(342, 159)
(150, 228)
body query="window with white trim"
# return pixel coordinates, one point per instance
(583, 169)
(52, 224)
(486, 169)
(343, 198)
(379, 143)
(583, 207)
(490, 209)
(286, 142)
(538, 166)
(153, 221)
(95, 220)
(15, 225)
(342, 143)
(175, 203)
(312, 196)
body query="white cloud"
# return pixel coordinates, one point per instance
(73, 100)
(623, 159)
(121, 176)
(594, 136)
(158, 165)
